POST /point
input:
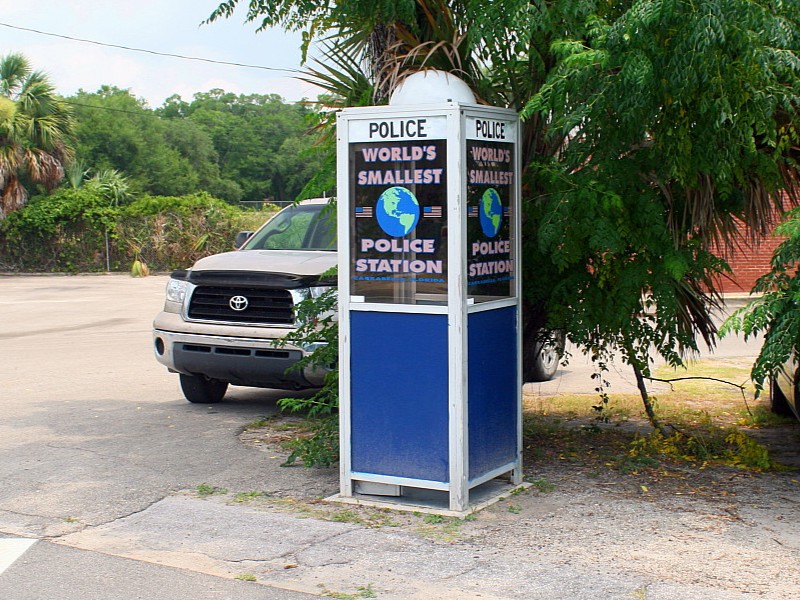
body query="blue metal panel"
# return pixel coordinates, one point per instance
(492, 377)
(399, 403)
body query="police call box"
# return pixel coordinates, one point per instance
(430, 375)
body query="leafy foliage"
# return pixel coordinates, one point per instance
(319, 330)
(246, 147)
(726, 445)
(61, 232)
(775, 312)
(171, 232)
(260, 141)
(703, 101)
(66, 231)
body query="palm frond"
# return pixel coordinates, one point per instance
(342, 76)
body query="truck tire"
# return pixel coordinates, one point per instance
(199, 390)
(778, 403)
(547, 354)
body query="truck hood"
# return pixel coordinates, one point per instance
(291, 262)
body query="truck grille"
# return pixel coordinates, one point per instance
(263, 305)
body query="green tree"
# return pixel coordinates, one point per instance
(157, 155)
(674, 118)
(35, 132)
(261, 142)
(648, 127)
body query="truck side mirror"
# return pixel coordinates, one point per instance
(241, 238)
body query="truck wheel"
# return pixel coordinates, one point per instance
(778, 403)
(548, 352)
(200, 390)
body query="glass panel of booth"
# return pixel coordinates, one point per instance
(398, 221)
(491, 194)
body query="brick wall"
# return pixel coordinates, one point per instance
(749, 262)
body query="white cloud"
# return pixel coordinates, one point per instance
(169, 27)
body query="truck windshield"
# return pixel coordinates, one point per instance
(300, 227)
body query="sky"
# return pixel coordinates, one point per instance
(166, 26)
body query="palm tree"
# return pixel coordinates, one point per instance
(35, 131)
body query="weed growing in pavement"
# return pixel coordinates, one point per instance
(366, 516)
(249, 496)
(542, 486)
(246, 577)
(438, 527)
(209, 490)
(362, 591)
(319, 446)
(346, 516)
(259, 423)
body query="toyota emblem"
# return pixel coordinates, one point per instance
(238, 303)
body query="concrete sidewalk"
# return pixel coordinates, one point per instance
(499, 558)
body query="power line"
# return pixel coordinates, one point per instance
(131, 49)
(146, 112)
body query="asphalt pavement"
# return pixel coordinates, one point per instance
(101, 461)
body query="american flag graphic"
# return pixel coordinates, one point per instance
(364, 211)
(473, 211)
(432, 211)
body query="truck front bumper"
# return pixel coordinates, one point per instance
(237, 360)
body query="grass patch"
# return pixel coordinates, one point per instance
(362, 591)
(209, 490)
(365, 516)
(439, 527)
(542, 486)
(249, 496)
(709, 419)
(686, 401)
(346, 516)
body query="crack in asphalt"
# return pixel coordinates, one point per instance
(88, 526)
(95, 325)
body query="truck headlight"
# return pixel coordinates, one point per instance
(176, 290)
(317, 291)
(301, 294)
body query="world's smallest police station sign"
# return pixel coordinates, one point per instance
(491, 203)
(398, 208)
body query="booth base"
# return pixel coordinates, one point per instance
(434, 501)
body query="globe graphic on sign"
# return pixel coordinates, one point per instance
(397, 211)
(491, 212)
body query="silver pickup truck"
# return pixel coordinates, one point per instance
(224, 319)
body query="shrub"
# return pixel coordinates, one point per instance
(173, 232)
(67, 231)
(61, 232)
